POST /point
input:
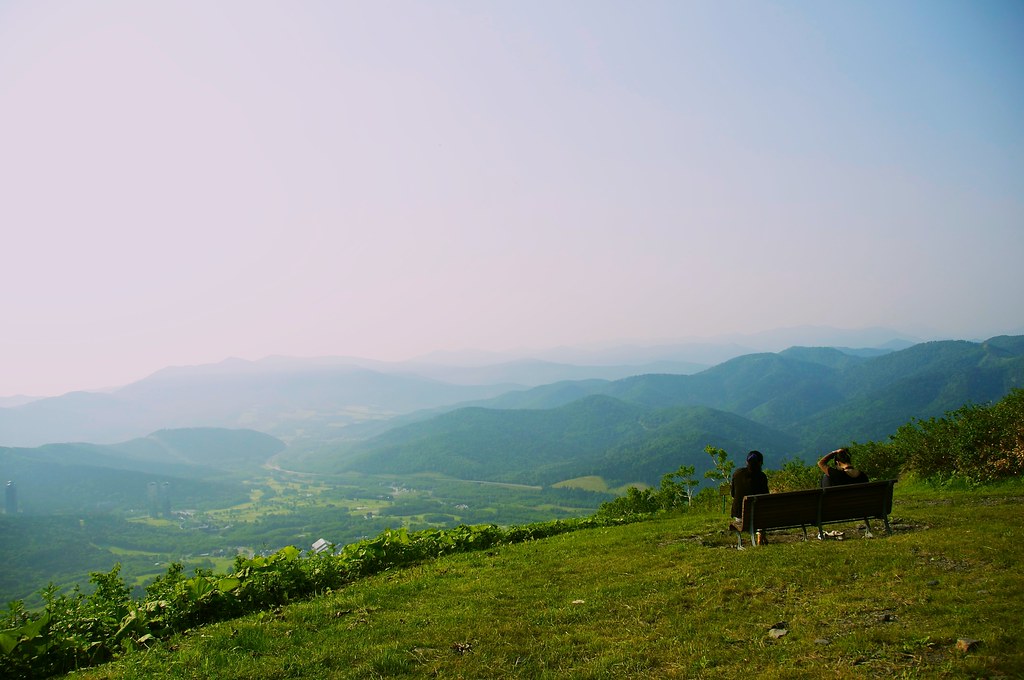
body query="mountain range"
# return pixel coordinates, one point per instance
(322, 398)
(501, 422)
(793, 404)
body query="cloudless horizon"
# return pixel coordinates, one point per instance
(190, 181)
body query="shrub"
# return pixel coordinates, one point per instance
(635, 502)
(793, 476)
(978, 444)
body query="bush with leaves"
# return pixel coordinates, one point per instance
(636, 503)
(794, 475)
(975, 443)
(73, 630)
(677, 490)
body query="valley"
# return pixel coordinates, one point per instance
(282, 509)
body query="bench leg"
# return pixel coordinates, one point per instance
(868, 534)
(804, 527)
(885, 519)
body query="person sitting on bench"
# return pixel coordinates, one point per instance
(748, 481)
(842, 473)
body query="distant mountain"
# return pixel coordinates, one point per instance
(534, 372)
(923, 381)
(298, 399)
(715, 350)
(787, 388)
(199, 465)
(323, 399)
(798, 402)
(739, 385)
(201, 450)
(288, 398)
(818, 395)
(16, 400)
(824, 336)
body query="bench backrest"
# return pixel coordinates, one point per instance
(780, 510)
(854, 501)
(814, 507)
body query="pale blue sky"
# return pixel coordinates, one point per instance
(185, 181)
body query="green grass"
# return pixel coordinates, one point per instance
(669, 598)
(589, 483)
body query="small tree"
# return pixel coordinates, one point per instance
(675, 486)
(722, 472)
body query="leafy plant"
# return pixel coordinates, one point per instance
(76, 631)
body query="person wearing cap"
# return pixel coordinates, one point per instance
(748, 481)
(842, 473)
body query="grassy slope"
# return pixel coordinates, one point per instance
(659, 599)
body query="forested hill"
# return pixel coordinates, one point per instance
(596, 435)
(809, 380)
(795, 403)
(200, 463)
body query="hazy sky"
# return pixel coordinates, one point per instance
(181, 182)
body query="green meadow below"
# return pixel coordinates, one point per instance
(670, 597)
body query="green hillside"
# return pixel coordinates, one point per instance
(522, 446)
(670, 598)
(678, 436)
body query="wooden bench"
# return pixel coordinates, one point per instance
(815, 507)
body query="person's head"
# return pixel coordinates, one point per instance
(843, 457)
(755, 460)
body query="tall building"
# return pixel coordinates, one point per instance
(11, 499)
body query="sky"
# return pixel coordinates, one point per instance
(182, 182)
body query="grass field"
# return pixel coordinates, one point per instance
(667, 598)
(595, 483)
